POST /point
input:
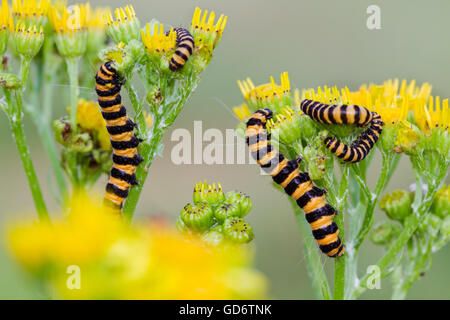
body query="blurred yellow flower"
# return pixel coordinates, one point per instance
(5, 17)
(30, 8)
(90, 118)
(119, 261)
(242, 112)
(96, 18)
(67, 20)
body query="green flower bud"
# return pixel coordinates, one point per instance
(72, 45)
(245, 205)
(430, 225)
(315, 158)
(82, 143)
(214, 236)
(62, 131)
(285, 127)
(440, 141)
(125, 57)
(441, 202)
(384, 233)
(9, 81)
(27, 41)
(445, 227)
(227, 210)
(397, 205)
(233, 197)
(181, 226)
(4, 35)
(209, 193)
(409, 138)
(125, 27)
(238, 231)
(154, 97)
(199, 217)
(388, 138)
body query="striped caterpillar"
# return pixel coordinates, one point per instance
(123, 140)
(185, 47)
(346, 114)
(296, 184)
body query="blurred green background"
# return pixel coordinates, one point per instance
(318, 43)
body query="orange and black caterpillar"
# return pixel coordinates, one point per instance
(121, 130)
(346, 114)
(296, 184)
(185, 47)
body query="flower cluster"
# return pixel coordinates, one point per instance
(217, 217)
(90, 141)
(117, 261)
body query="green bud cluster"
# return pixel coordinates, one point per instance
(397, 205)
(217, 217)
(441, 202)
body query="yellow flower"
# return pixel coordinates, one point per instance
(242, 112)
(158, 42)
(90, 118)
(265, 92)
(433, 115)
(96, 18)
(390, 100)
(35, 9)
(125, 26)
(5, 17)
(119, 261)
(408, 138)
(205, 30)
(68, 21)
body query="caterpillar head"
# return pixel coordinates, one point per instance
(269, 113)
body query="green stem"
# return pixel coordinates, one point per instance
(16, 121)
(313, 260)
(340, 263)
(410, 227)
(72, 69)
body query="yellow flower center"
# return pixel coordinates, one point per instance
(158, 41)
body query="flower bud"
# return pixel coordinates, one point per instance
(154, 97)
(180, 225)
(209, 193)
(441, 202)
(199, 217)
(238, 231)
(9, 81)
(440, 141)
(225, 211)
(445, 227)
(384, 233)
(214, 236)
(286, 126)
(125, 26)
(62, 131)
(388, 138)
(315, 158)
(397, 205)
(430, 225)
(82, 143)
(409, 138)
(27, 41)
(241, 200)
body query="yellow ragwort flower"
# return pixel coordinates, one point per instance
(96, 18)
(30, 8)
(68, 21)
(205, 30)
(120, 261)
(5, 17)
(265, 92)
(90, 118)
(242, 112)
(158, 41)
(433, 115)
(122, 15)
(390, 100)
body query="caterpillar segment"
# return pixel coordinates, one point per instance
(297, 184)
(124, 142)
